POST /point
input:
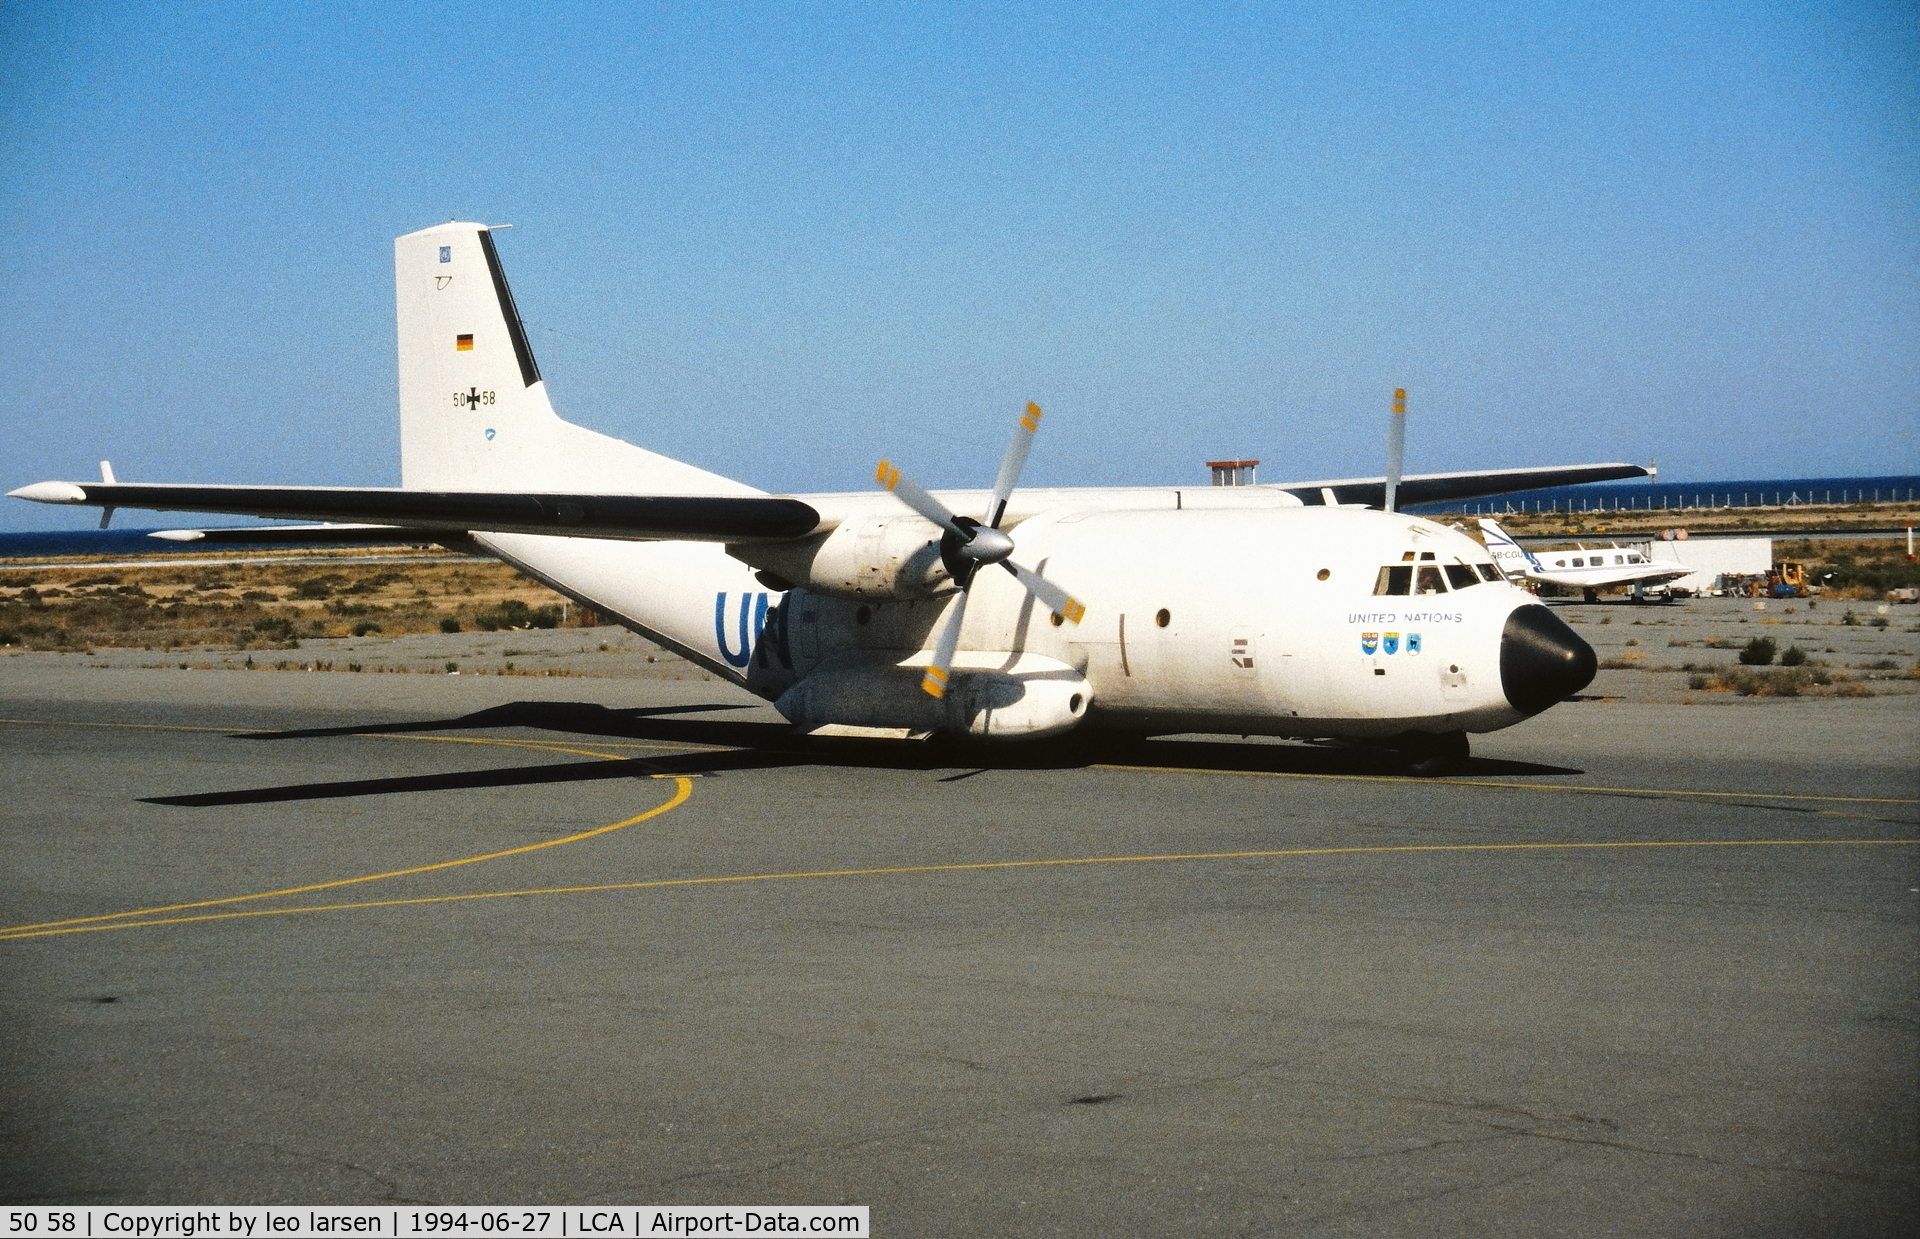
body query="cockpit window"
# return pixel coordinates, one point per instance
(1428, 582)
(1488, 572)
(1461, 575)
(1394, 579)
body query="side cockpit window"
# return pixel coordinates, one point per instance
(1394, 579)
(1488, 572)
(1418, 578)
(1410, 579)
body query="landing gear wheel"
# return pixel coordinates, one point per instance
(1427, 755)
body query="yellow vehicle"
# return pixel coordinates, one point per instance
(1786, 579)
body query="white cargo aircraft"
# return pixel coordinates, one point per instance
(1586, 569)
(1292, 610)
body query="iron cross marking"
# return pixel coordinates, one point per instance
(473, 397)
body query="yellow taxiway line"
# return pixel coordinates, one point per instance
(61, 928)
(1594, 789)
(682, 790)
(1525, 787)
(144, 917)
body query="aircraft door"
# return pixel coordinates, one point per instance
(1292, 675)
(1133, 669)
(805, 616)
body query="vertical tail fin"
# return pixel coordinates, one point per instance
(1508, 556)
(474, 413)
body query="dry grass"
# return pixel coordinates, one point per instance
(1812, 680)
(267, 603)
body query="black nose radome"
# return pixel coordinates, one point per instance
(1542, 660)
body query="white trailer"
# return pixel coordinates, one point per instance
(1713, 560)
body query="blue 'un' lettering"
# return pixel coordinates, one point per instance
(755, 606)
(720, 629)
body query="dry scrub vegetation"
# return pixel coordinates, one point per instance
(265, 603)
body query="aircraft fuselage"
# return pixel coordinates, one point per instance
(1251, 621)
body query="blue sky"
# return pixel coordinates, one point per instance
(782, 240)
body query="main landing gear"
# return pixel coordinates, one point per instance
(1426, 755)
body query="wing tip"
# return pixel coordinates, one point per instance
(50, 492)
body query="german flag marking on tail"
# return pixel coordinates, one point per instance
(463, 344)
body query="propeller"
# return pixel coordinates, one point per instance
(968, 545)
(1396, 448)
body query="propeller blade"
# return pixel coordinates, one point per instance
(1396, 448)
(934, 683)
(1014, 461)
(909, 493)
(1057, 600)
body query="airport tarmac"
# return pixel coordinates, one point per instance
(1647, 968)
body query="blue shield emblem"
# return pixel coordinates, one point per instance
(1392, 643)
(1369, 642)
(1413, 643)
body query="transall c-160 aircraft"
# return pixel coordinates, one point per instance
(1303, 609)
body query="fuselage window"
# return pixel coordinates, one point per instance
(1489, 573)
(1633, 559)
(1461, 575)
(1394, 579)
(1429, 581)
(1579, 563)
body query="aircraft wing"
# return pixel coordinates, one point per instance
(694, 518)
(1422, 488)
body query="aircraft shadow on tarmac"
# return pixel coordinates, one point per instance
(761, 746)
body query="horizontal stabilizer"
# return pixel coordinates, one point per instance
(693, 518)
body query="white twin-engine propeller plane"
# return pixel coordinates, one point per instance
(1302, 609)
(1588, 570)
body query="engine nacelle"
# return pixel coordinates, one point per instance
(995, 696)
(892, 555)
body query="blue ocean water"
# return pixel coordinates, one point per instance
(1680, 496)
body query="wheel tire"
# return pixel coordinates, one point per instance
(1425, 755)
